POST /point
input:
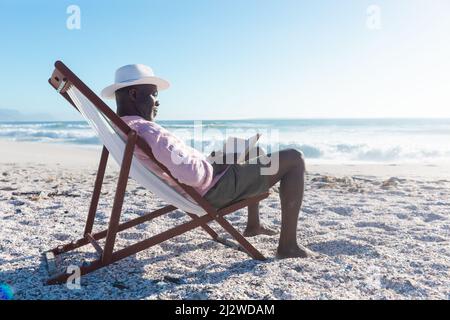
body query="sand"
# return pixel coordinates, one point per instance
(379, 231)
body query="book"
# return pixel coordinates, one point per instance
(234, 150)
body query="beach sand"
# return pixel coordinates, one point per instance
(380, 232)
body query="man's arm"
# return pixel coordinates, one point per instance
(219, 157)
(181, 161)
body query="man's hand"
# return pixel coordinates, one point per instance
(220, 158)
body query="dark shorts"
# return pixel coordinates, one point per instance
(240, 181)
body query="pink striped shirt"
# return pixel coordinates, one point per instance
(188, 165)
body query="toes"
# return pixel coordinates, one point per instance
(298, 252)
(259, 231)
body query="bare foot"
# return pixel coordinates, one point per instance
(293, 252)
(251, 232)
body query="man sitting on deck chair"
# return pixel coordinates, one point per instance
(136, 91)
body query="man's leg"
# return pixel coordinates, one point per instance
(254, 226)
(291, 177)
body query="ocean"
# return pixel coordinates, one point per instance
(321, 140)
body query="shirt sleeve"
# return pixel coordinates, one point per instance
(183, 162)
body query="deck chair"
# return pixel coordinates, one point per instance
(119, 141)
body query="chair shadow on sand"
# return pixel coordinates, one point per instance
(129, 278)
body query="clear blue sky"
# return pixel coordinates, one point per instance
(232, 59)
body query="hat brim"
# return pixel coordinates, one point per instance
(109, 92)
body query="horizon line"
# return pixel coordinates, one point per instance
(258, 119)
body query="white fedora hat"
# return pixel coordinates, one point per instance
(134, 74)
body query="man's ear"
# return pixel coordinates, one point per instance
(132, 93)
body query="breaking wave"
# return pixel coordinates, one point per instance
(328, 140)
